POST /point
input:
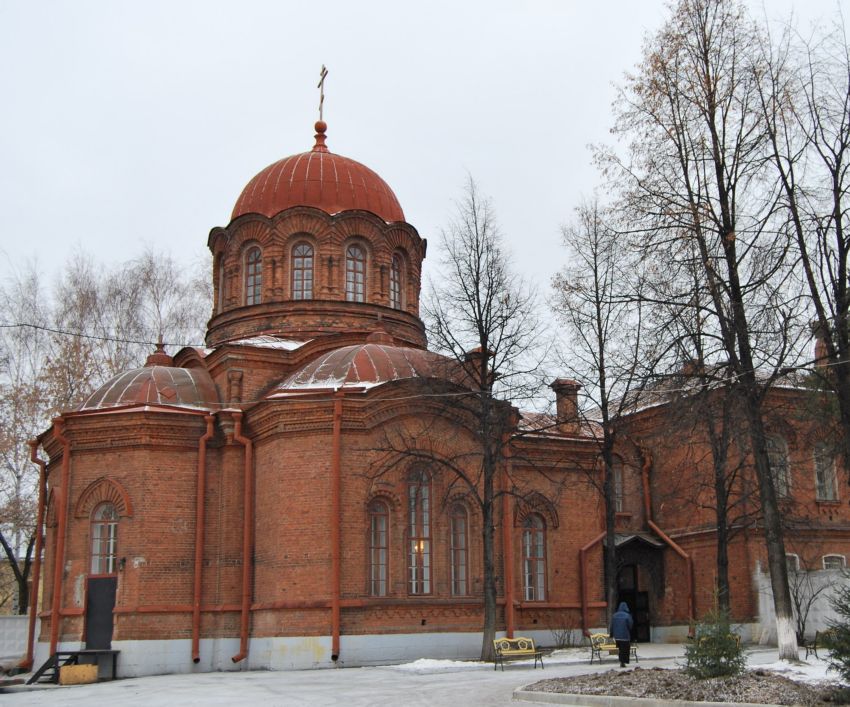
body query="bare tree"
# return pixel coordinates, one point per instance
(482, 318)
(804, 98)
(56, 348)
(597, 297)
(697, 149)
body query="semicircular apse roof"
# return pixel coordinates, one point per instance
(362, 366)
(155, 385)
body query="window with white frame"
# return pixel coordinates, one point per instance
(825, 487)
(104, 539)
(534, 557)
(617, 471)
(379, 520)
(459, 550)
(834, 562)
(355, 274)
(302, 271)
(253, 276)
(396, 282)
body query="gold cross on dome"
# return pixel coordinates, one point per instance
(321, 86)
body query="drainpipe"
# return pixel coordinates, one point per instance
(508, 542)
(647, 509)
(247, 537)
(582, 566)
(336, 535)
(62, 519)
(199, 539)
(26, 663)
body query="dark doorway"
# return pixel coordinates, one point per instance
(627, 586)
(100, 601)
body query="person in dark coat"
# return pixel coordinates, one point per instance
(621, 631)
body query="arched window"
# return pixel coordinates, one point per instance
(220, 271)
(419, 532)
(253, 276)
(534, 558)
(302, 271)
(617, 470)
(825, 488)
(355, 274)
(792, 562)
(104, 539)
(459, 550)
(379, 520)
(396, 282)
(777, 455)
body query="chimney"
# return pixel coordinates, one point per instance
(566, 404)
(821, 351)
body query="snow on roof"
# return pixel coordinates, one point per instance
(266, 341)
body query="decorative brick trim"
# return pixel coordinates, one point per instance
(104, 490)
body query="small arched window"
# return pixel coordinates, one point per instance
(104, 539)
(220, 283)
(419, 531)
(617, 471)
(534, 557)
(253, 276)
(379, 520)
(459, 550)
(777, 455)
(396, 285)
(355, 274)
(302, 271)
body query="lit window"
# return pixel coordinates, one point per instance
(534, 558)
(395, 282)
(825, 487)
(253, 276)
(792, 562)
(419, 532)
(460, 551)
(302, 271)
(355, 274)
(379, 516)
(104, 539)
(834, 562)
(777, 454)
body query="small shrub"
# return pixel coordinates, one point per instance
(837, 639)
(715, 650)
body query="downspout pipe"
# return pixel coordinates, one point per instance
(647, 509)
(585, 629)
(336, 533)
(61, 521)
(247, 537)
(27, 662)
(200, 508)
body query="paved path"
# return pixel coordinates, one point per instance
(459, 685)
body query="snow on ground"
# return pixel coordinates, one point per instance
(425, 682)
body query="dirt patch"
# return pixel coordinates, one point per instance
(759, 686)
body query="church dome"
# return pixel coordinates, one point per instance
(158, 382)
(363, 366)
(321, 179)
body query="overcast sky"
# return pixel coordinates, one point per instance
(134, 124)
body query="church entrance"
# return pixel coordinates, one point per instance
(638, 601)
(100, 601)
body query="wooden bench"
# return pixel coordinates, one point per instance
(817, 642)
(602, 642)
(516, 649)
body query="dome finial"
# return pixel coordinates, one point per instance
(321, 126)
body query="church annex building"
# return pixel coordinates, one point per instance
(234, 507)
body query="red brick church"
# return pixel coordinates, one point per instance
(235, 507)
